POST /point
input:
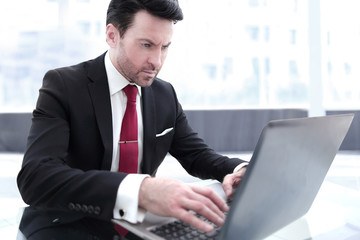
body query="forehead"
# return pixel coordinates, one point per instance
(147, 26)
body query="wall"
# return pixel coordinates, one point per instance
(352, 139)
(236, 130)
(223, 130)
(14, 129)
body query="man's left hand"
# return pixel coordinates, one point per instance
(232, 180)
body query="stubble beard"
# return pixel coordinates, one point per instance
(129, 71)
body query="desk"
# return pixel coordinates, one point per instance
(335, 213)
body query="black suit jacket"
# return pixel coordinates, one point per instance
(68, 157)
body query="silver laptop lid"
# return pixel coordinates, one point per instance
(285, 173)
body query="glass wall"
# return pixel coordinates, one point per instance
(242, 54)
(228, 54)
(39, 35)
(341, 51)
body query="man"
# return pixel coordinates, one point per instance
(72, 159)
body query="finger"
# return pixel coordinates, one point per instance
(228, 189)
(203, 204)
(231, 181)
(228, 184)
(219, 204)
(204, 211)
(194, 221)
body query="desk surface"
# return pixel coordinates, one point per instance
(335, 213)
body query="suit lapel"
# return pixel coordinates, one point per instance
(149, 120)
(99, 92)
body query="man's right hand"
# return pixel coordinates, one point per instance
(172, 198)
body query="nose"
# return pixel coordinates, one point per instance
(156, 59)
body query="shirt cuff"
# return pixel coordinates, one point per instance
(126, 205)
(241, 165)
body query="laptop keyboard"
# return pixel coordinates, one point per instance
(180, 230)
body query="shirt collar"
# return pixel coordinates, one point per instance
(116, 81)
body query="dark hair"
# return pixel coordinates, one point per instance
(121, 12)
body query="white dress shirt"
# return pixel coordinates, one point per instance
(127, 196)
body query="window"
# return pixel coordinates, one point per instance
(267, 34)
(292, 36)
(85, 27)
(239, 44)
(253, 3)
(253, 32)
(33, 46)
(293, 70)
(267, 66)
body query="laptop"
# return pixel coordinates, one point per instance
(287, 168)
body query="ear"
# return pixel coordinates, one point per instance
(112, 35)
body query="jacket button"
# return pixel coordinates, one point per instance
(90, 209)
(84, 208)
(78, 207)
(97, 210)
(71, 206)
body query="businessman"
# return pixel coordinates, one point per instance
(101, 129)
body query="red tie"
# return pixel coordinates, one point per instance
(128, 160)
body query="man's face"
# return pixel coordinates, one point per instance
(140, 54)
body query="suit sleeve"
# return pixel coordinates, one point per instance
(195, 155)
(51, 176)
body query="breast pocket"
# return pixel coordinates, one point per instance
(163, 133)
(163, 142)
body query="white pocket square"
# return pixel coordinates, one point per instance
(164, 132)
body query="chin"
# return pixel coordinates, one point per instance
(145, 82)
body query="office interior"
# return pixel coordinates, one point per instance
(235, 67)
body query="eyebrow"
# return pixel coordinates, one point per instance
(152, 43)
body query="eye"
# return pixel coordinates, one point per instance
(146, 45)
(165, 47)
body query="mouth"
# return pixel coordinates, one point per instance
(150, 73)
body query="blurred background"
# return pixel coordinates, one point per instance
(235, 64)
(225, 54)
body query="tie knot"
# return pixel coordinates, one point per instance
(130, 91)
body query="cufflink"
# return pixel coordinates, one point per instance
(122, 213)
